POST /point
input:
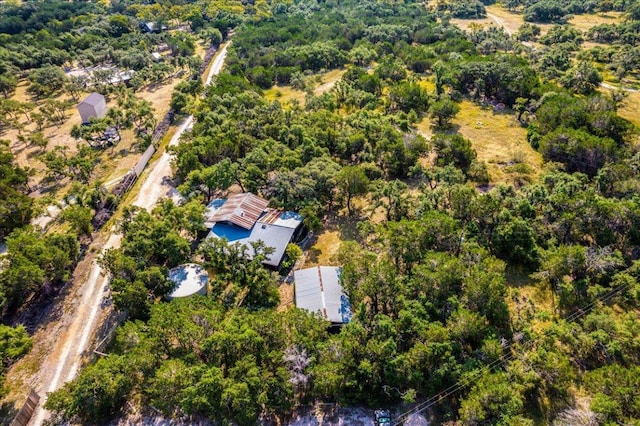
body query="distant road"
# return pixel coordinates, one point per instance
(158, 182)
(65, 356)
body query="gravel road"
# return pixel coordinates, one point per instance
(78, 324)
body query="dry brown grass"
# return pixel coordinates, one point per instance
(498, 139)
(328, 80)
(287, 297)
(160, 96)
(112, 162)
(468, 24)
(285, 94)
(511, 21)
(630, 108)
(324, 249)
(585, 22)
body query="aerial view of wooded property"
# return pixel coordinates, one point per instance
(320, 212)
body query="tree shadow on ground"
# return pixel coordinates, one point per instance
(313, 253)
(8, 412)
(346, 225)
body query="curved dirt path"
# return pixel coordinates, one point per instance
(624, 89)
(78, 325)
(499, 22)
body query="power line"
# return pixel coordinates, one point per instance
(429, 402)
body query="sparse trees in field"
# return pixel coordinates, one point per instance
(8, 84)
(442, 112)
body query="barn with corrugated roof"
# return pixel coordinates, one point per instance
(245, 218)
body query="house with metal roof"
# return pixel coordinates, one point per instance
(245, 218)
(318, 289)
(92, 106)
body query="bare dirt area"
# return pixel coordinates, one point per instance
(327, 81)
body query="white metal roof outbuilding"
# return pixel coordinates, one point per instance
(318, 289)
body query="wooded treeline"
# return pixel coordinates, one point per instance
(444, 279)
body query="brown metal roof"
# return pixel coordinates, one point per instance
(241, 209)
(270, 216)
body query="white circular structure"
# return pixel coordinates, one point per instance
(189, 279)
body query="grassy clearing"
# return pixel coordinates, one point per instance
(328, 80)
(160, 96)
(285, 95)
(511, 21)
(468, 24)
(585, 22)
(629, 108)
(499, 16)
(325, 247)
(339, 227)
(112, 162)
(498, 139)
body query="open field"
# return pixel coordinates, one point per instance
(585, 22)
(629, 108)
(501, 17)
(285, 94)
(338, 227)
(328, 80)
(498, 139)
(321, 83)
(112, 162)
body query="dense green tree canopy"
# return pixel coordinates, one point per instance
(519, 297)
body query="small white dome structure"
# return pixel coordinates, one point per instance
(189, 279)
